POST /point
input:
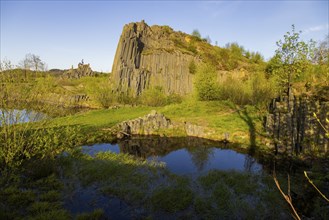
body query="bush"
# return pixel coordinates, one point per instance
(192, 67)
(262, 89)
(23, 141)
(257, 90)
(104, 95)
(206, 83)
(157, 97)
(153, 97)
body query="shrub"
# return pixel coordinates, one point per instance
(23, 141)
(256, 90)
(235, 90)
(153, 97)
(192, 67)
(262, 89)
(206, 83)
(173, 98)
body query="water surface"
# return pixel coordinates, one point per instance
(182, 155)
(16, 116)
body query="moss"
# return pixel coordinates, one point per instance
(222, 196)
(172, 199)
(94, 215)
(203, 207)
(54, 215)
(50, 196)
(42, 207)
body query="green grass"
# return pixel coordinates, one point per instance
(102, 118)
(218, 194)
(31, 198)
(172, 199)
(218, 117)
(95, 215)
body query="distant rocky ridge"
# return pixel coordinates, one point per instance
(81, 71)
(149, 57)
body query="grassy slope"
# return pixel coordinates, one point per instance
(98, 119)
(221, 117)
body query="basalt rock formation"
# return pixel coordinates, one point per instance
(81, 71)
(157, 124)
(149, 57)
(298, 123)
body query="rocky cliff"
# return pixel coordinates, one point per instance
(148, 57)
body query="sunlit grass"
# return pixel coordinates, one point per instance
(219, 118)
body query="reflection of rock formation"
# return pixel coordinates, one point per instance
(161, 146)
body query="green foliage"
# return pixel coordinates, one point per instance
(94, 215)
(262, 89)
(101, 91)
(24, 141)
(153, 97)
(233, 194)
(291, 59)
(23, 197)
(157, 97)
(192, 67)
(172, 199)
(235, 91)
(256, 90)
(196, 33)
(205, 83)
(126, 98)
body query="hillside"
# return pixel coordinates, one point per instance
(158, 56)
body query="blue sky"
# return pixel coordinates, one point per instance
(64, 32)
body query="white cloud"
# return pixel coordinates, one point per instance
(316, 28)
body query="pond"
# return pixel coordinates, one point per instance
(182, 156)
(208, 173)
(15, 116)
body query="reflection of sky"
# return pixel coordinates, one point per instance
(96, 148)
(183, 162)
(20, 116)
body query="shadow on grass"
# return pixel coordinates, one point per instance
(244, 115)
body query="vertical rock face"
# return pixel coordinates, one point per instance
(295, 127)
(146, 57)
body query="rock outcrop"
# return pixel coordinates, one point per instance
(157, 124)
(147, 125)
(81, 71)
(148, 57)
(294, 126)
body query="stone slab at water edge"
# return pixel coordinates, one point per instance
(157, 123)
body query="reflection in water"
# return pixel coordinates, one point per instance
(182, 155)
(14, 116)
(200, 156)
